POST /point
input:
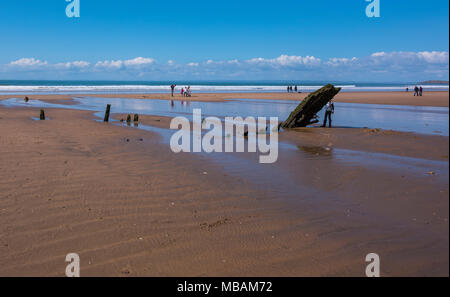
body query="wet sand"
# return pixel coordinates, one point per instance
(389, 98)
(131, 207)
(432, 147)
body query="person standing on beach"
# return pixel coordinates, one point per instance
(188, 91)
(172, 87)
(416, 91)
(288, 89)
(328, 111)
(182, 92)
(420, 91)
(295, 89)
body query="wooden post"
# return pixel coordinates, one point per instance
(26, 99)
(42, 116)
(108, 109)
(136, 118)
(128, 119)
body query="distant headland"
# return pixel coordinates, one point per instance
(440, 82)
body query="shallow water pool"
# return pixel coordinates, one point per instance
(418, 119)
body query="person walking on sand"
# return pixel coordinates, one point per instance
(182, 92)
(420, 91)
(172, 87)
(328, 111)
(295, 89)
(416, 91)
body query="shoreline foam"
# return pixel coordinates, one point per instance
(70, 89)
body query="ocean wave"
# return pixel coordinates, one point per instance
(198, 88)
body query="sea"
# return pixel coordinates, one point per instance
(8, 87)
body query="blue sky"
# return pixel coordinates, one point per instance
(145, 39)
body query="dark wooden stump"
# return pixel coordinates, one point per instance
(108, 109)
(42, 116)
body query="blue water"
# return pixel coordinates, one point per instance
(121, 87)
(196, 82)
(418, 119)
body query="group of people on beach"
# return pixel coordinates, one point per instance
(185, 92)
(418, 91)
(291, 89)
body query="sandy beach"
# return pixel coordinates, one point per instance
(129, 206)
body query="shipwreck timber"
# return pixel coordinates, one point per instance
(306, 112)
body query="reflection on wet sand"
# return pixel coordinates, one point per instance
(317, 151)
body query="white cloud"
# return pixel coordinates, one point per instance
(340, 61)
(378, 54)
(75, 64)
(109, 64)
(118, 64)
(26, 62)
(139, 61)
(80, 64)
(393, 65)
(434, 57)
(285, 60)
(257, 60)
(292, 60)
